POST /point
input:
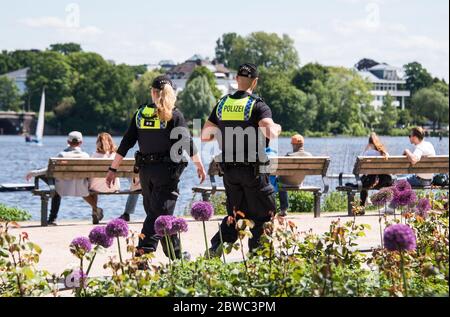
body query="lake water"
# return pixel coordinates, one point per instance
(17, 158)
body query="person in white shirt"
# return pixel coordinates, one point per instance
(422, 149)
(70, 188)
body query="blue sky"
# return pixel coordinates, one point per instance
(332, 32)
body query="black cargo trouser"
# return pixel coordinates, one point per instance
(159, 183)
(251, 194)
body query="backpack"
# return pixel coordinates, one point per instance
(440, 180)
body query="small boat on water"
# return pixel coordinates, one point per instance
(5, 188)
(40, 125)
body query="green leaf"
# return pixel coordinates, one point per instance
(35, 247)
(28, 272)
(4, 253)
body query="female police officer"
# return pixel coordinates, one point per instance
(163, 136)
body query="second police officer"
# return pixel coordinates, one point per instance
(236, 123)
(162, 134)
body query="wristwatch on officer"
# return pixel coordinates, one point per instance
(112, 170)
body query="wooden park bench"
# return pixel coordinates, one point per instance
(75, 169)
(394, 165)
(283, 166)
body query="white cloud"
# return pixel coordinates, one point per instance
(423, 42)
(161, 47)
(62, 26)
(43, 22)
(354, 2)
(350, 28)
(308, 36)
(344, 42)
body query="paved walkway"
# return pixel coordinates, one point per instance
(55, 241)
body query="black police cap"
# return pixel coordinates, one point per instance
(248, 70)
(161, 81)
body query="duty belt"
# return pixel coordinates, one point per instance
(146, 159)
(241, 164)
(255, 165)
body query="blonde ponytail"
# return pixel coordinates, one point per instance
(166, 103)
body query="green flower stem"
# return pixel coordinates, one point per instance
(245, 260)
(221, 242)
(381, 228)
(167, 246)
(206, 240)
(90, 264)
(402, 268)
(82, 286)
(172, 248)
(181, 249)
(120, 255)
(19, 284)
(169, 250)
(271, 259)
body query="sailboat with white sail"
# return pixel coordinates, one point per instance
(40, 124)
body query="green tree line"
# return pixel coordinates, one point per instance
(83, 89)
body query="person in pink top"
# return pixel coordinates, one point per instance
(106, 149)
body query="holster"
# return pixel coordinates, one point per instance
(177, 169)
(137, 162)
(215, 168)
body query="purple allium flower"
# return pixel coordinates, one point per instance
(422, 214)
(179, 225)
(99, 237)
(384, 196)
(164, 225)
(80, 246)
(399, 238)
(76, 279)
(202, 211)
(402, 185)
(117, 228)
(403, 198)
(423, 206)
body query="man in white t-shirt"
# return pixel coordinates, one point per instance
(422, 149)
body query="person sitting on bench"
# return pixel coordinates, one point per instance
(70, 188)
(374, 148)
(105, 149)
(298, 144)
(422, 148)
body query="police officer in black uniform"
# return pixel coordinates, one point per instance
(243, 126)
(163, 137)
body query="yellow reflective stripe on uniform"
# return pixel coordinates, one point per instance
(146, 119)
(231, 109)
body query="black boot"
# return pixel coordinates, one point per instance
(125, 217)
(51, 220)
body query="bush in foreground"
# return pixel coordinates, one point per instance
(8, 214)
